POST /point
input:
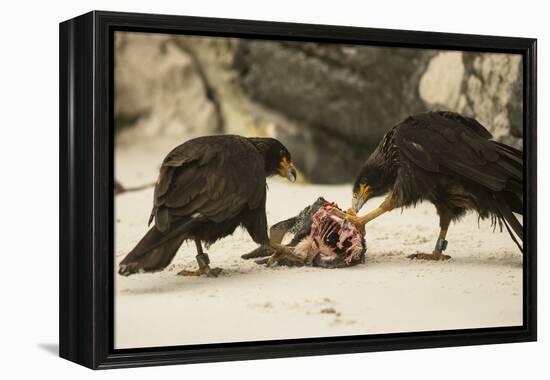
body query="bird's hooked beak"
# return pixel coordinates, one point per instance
(287, 170)
(360, 197)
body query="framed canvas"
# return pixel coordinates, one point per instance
(235, 189)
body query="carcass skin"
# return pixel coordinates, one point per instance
(321, 239)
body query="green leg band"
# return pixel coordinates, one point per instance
(203, 260)
(441, 245)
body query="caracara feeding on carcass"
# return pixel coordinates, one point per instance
(206, 188)
(450, 161)
(319, 239)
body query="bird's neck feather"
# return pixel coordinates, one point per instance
(378, 167)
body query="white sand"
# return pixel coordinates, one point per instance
(481, 286)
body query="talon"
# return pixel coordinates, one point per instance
(282, 256)
(357, 223)
(351, 217)
(272, 262)
(263, 261)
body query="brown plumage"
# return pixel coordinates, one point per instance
(206, 188)
(449, 160)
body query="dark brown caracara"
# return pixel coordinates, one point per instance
(206, 188)
(450, 161)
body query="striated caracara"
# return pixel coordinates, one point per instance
(449, 160)
(206, 188)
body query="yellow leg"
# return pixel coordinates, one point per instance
(360, 221)
(280, 252)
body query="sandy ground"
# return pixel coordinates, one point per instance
(481, 286)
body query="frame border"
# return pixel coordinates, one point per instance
(86, 274)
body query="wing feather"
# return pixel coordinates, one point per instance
(216, 177)
(455, 145)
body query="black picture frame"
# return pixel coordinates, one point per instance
(86, 190)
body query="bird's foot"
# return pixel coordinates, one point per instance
(281, 255)
(206, 270)
(435, 255)
(351, 217)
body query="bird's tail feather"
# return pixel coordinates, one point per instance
(155, 250)
(512, 224)
(510, 200)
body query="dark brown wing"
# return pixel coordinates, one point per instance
(213, 178)
(448, 143)
(457, 146)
